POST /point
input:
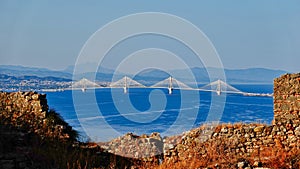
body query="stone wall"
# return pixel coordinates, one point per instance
(287, 100)
(23, 109)
(29, 111)
(25, 123)
(145, 147)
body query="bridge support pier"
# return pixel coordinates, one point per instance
(125, 90)
(170, 90)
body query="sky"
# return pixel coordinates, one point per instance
(246, 34)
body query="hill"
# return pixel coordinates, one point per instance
(147, 76)
(18, 71)
(251, 75)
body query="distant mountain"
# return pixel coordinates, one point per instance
(86, 71)
(150, 76)
(102, 77)
(251, 75)
(18, 71)
(153, 73)
(86, 68)
(200, 74)
(4, 77)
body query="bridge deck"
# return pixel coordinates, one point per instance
(170, 83)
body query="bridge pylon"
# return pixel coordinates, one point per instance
(125, 88)
(218, 91)
(170, 87)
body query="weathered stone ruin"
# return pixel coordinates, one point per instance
(29, 111)
(287, 102)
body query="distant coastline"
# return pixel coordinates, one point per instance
(20, 78)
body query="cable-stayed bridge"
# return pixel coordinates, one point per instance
(170, 83)
(219, 87)
(84, 84)
(125, 83)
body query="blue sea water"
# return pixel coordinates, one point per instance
(107, 113)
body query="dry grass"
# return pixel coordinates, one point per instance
(53, 153)
(217, 157)
(274, 157)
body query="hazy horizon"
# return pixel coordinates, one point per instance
(65, 69)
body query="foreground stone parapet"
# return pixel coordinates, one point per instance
(23, 109)
(287, 100)
(145, 147)
(29, 111)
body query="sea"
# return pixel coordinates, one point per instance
(103, 114)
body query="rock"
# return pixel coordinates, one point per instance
(259, 129)
(169, 146)
(156, 136)
(297, 131)
(241, 164)
(35, 96)
(257, 164)
(224, 130)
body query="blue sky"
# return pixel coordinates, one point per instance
(246, 34)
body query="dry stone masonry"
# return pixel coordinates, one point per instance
(148, 148)
(29, 111)
(23, 109)
(23, 115)
(287, 101)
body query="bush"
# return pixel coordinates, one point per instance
(54, 119)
